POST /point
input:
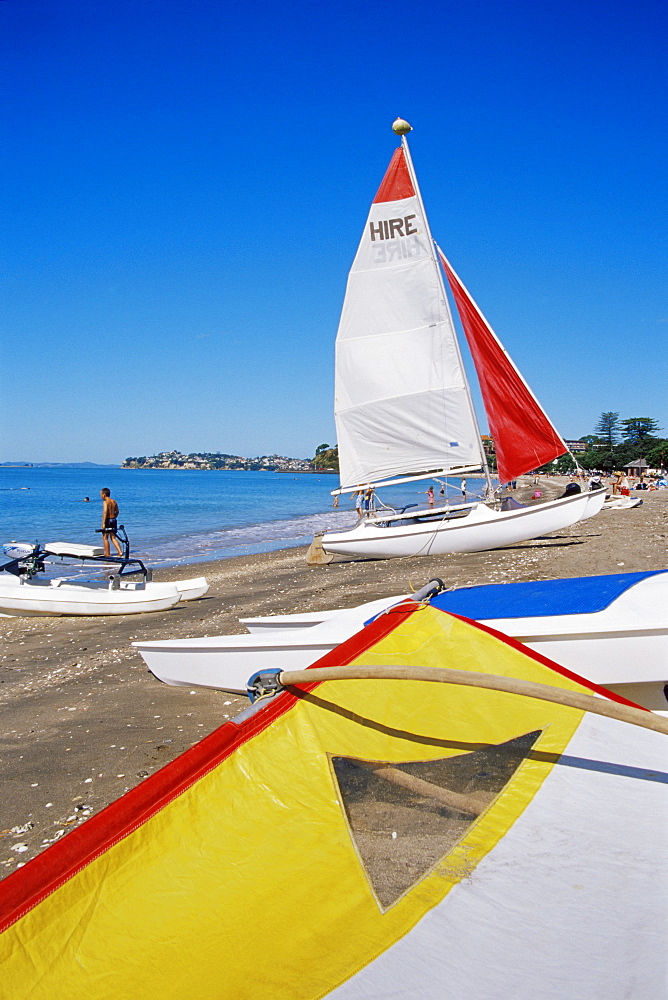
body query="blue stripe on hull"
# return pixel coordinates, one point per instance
(578, 596)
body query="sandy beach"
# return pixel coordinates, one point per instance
(82, 720)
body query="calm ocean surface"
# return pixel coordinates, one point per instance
(181, 516)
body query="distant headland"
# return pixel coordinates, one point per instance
(58, 465)
(223, 462)
(326, 459)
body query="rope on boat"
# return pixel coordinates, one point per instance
(511, 685)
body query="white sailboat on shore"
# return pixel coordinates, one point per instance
(403, 406)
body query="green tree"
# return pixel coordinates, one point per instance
(640, 431)
(605, 461)
(657, 455)
(564, 465)
(321, 448)
(327, 459)
(590, 459)
(608, 429)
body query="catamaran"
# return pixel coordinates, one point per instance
(403, 405)
(126, 589)
(612, 629)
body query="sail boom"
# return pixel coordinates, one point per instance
(454, 470)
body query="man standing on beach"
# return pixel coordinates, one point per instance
(109, 525)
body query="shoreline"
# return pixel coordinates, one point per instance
(551, 487)
(82, 720)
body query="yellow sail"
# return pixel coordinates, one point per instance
(364, 839)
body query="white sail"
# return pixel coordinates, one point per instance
(402, 404)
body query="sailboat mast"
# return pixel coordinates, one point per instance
(441, 283)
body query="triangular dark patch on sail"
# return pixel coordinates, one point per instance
(396, 183)
(404, 818)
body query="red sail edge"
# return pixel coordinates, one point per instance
(396, 183)
(524, 437)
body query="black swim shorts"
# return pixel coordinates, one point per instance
(110, 526)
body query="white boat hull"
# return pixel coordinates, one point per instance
(623, 646)
(46, 598)
(227, 661)
(482, 528)
(307, 619)
(192, 590)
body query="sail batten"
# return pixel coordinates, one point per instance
(523, 434)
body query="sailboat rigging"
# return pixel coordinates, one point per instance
(525, 438)
(403, 406)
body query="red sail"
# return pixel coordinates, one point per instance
(397, 183)
(523, 436)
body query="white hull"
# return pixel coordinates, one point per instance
(124, 594)
(623, 647)
(307, 619)
(227, 661)
(262, 626)
(191, 590)
(48, 598)
(482, 528)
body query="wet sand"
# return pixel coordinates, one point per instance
(82, 720)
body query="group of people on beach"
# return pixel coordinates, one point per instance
(364, 498)
(620, 483)
(431, 497)
(363, 501)
(621, 486)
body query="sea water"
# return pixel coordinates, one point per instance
(185, 515)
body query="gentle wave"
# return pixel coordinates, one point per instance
(244, 540)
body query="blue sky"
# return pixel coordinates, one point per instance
(185, 183)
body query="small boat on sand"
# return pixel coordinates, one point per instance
(431, 811)
(128, 587)
(612, 629)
